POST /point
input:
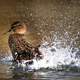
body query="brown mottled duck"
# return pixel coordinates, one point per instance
(20, 48)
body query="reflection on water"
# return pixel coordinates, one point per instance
(5, 71)
(8, 73)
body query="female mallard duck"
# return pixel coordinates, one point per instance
(21, 50)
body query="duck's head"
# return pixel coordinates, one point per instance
(18, 27)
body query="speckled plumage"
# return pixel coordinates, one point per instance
(23, 49)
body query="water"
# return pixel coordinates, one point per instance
(57, 22)
(58, 63)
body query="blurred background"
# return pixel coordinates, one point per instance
(48, 20)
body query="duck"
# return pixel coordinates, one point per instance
(19, 47)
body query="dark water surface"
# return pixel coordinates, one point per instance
(8, 73)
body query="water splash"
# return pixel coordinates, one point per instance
(53, 57)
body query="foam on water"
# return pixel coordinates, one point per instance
(52, 57)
